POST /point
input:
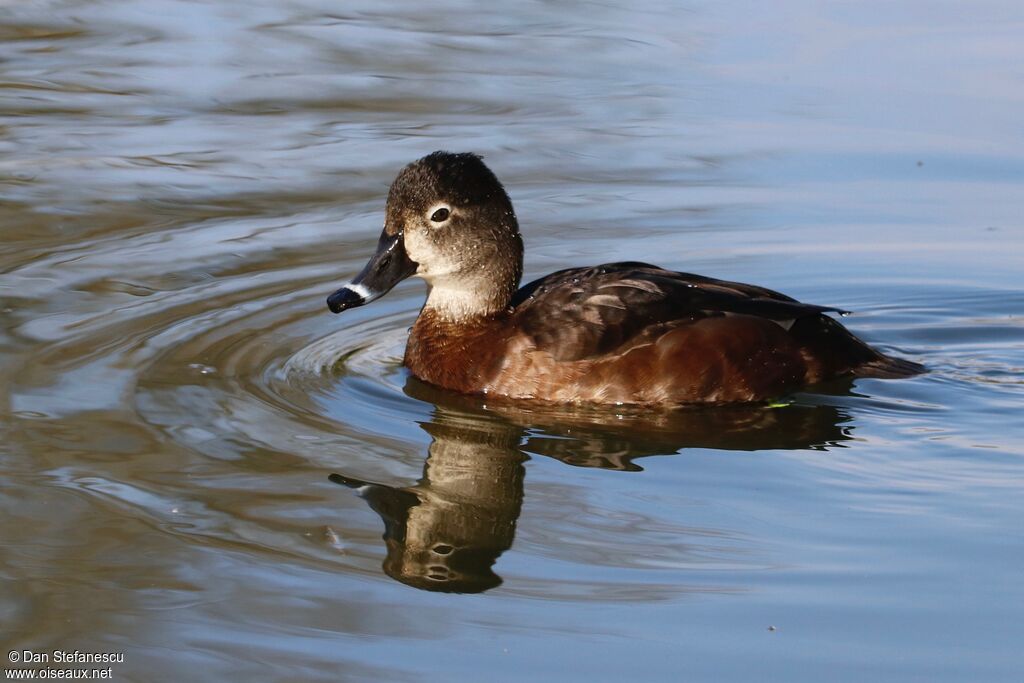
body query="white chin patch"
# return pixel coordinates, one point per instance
(360, 290)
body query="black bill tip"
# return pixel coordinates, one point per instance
(347, 481)
(343, 299)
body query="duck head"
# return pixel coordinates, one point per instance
(450, 222)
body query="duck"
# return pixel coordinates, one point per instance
(625, 333)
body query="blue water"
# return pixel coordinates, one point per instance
(182, 183)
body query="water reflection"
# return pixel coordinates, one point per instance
(446, 532)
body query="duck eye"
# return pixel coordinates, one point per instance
(440, 216)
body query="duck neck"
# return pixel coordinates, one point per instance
(465, 297)
(460, 353)
(465, 301)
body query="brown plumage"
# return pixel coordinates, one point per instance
(626, 333)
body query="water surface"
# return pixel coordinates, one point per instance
(205, 470)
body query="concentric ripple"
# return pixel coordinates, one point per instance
(277, 375)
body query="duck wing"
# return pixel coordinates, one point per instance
(582, 312)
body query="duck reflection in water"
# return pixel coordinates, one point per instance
(446, 532)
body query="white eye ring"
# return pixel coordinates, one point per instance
(439, 213)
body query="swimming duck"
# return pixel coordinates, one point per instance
(618, 333)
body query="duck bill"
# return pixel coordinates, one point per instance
(389, 266)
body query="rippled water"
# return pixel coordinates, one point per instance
(199, 461)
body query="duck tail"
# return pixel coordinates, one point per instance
(837, 351)
(887, 367)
